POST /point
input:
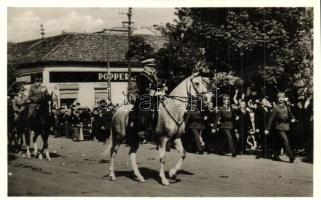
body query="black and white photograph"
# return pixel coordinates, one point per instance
(160, 101)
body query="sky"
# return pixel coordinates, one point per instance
(24, 23)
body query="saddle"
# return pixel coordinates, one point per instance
(142, 122)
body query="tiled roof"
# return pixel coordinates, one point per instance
(82, 47)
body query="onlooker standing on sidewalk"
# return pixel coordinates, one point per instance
(96, 124)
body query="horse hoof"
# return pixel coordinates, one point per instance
(140, 179)
(172, 173)
(165, 182)
(112, 178)
(40, 157)
(48, 159)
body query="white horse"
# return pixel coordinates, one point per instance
(171, 124)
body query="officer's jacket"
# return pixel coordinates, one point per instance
(34, 94)
(145, 83)
(279, 118)
(244, 122)
(18, 103)
(194, 119)
(226, 118)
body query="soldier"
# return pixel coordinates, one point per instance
(143, 115)
(35, 94)
(225, 116)
(19, 108)
(195, 126)
(280, 121)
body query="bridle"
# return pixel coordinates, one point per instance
(187, 100)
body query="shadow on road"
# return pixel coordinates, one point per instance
(55, 155)
(148, 173)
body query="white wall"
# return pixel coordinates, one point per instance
(86, 93)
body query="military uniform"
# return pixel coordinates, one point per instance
(279, 121)
(35, 94)
(195, 125)
(225, 116)
(19, 106)
(144, 114)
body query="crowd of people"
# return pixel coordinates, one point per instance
(256, 126)
(64, 121)
(94, 124)
(261, 126)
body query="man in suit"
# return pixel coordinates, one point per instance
(243, 125)
(280, 121)
(262, 114)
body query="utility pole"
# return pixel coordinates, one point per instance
(129, 29)
(108, 70)
(42, 31)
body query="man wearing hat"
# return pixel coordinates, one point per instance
(280, 121)
(19, 108)
(226, 117)
(144, 111)
(35, 93)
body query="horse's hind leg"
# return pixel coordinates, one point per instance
(162, 150)
(182, 153)
(132, 155)
(113, 151)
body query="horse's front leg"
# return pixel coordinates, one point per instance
(35, 146)
(27, 139)
(132, 156)
(162, 150)
(182, 153)
(45, 137)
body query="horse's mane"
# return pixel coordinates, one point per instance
(125, 107)
(178, 90)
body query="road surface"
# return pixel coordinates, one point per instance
(80, 169)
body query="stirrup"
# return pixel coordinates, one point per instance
(131, 124)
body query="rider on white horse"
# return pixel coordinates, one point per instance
(144, 112)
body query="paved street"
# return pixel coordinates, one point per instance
(79, 169)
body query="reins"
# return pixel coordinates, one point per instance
(179, 98)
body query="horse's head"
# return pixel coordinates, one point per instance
(200, 87)
(194, 86)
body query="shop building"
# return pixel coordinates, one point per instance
(73, 66)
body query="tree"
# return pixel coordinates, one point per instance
(275, 42)
(139, 49)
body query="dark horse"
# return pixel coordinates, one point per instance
(40, 122)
